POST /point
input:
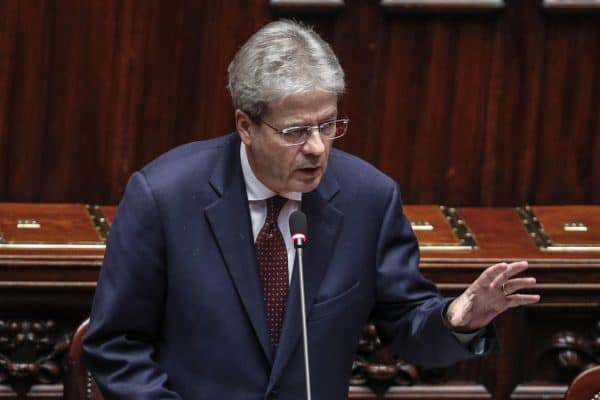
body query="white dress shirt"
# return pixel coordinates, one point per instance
(258, 194)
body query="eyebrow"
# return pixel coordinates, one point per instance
(329, 117)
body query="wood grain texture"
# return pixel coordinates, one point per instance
(468, 109)
(568, 111)
(443, 6)
(571, 6)
(513, 106)
(306, 5)
(24, 123)
(8, 27)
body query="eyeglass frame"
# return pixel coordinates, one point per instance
(283, 132)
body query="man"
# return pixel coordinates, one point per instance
(198, 295)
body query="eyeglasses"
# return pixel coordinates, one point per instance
(297, 135)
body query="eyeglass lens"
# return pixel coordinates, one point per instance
(329, 130)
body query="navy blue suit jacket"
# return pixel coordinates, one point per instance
(179, 312)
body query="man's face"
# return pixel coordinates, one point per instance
(280, 167)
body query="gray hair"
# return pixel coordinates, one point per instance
(283, 58)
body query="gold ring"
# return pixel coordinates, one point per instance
(504, 289)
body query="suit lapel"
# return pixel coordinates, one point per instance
(229, 220)
(324, 223)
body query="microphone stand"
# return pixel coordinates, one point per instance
(298, 227)
(304, 329)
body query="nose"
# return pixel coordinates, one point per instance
(314, 145)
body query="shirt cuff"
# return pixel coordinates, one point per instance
(475, 341)
(466, 338)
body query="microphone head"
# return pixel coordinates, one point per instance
(298, 225)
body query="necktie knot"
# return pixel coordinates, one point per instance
(274, 206)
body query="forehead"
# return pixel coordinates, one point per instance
(307, 107)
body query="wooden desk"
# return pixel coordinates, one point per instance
(48, 275)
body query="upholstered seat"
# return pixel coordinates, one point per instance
(79, 384)
(585, 386)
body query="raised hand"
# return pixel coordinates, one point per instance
(492, 293)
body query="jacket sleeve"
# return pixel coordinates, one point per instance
(120, 346)
(409, 311)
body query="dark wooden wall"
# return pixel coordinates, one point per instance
(495, 106)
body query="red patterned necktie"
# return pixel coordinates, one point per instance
(273, 267)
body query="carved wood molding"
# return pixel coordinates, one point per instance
(306, 5)
(31, 350)
(539, 391)
(375, 370)
(570, 353)
(443, 6)
(37, 285)
(454, 391)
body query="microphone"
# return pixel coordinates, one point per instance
(298, 228)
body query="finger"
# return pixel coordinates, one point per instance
(488, 276)
(499, 280)
(516, 300)
(514, 285)
(516, 268)
(511, 270)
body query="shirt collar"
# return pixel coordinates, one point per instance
(255, 189)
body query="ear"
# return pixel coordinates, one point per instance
(244, 126)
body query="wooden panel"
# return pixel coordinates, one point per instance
(416, 118)
(460, 109)
(440, 232)
(467, 120)
(48, 223)
(569, 113)
(25, 128)
(8, 31)
(502, 236)
(555, 219)
(513, 106)
(442, 5)
(36, 235)
(306, 5)
(572, 6)
(436, 150)
(73, 97)
(595, 171)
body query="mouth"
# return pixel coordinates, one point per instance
(310, 171)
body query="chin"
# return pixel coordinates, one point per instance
(305, 187)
